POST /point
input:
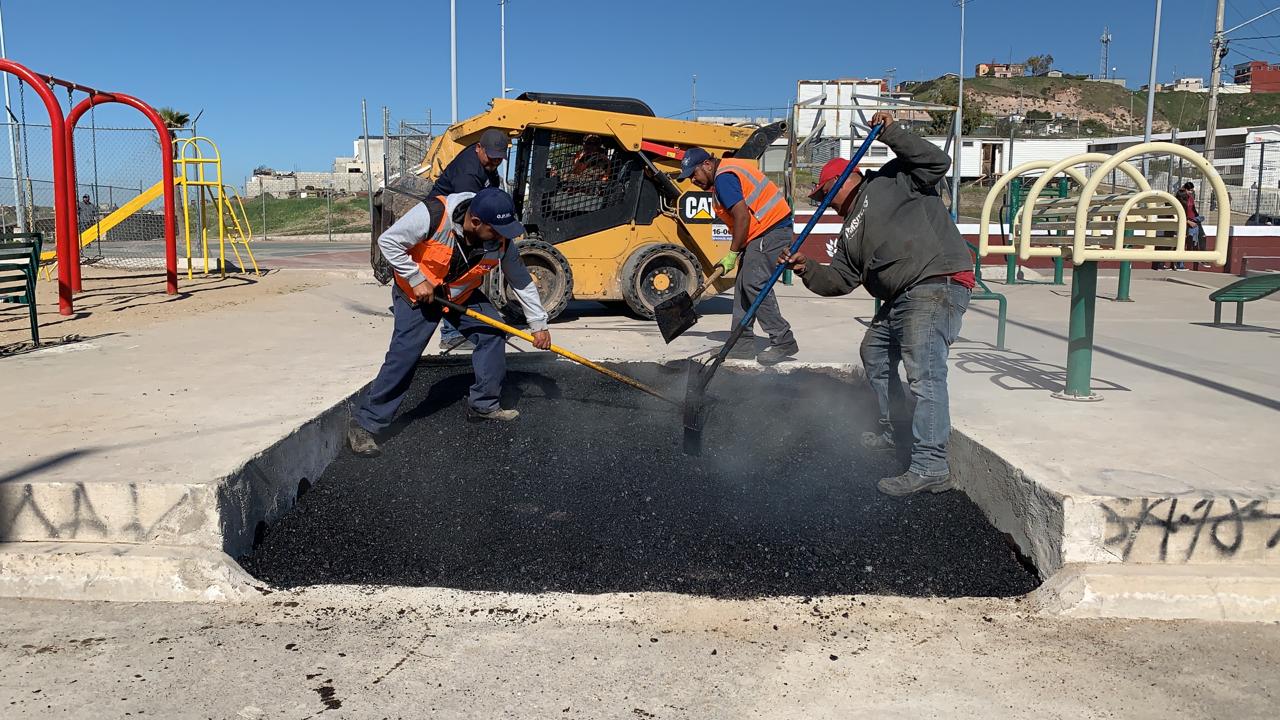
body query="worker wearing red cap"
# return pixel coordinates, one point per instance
(900, 243)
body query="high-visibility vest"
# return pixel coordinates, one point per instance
(763, 199)
(434, 253)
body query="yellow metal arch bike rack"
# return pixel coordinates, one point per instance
(1146, 225)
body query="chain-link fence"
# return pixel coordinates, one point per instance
(1251, 172)
(118, 191)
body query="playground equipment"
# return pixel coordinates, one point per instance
(1145, 225)
(192, 162)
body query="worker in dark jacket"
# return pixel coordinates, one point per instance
(472, 170)
(476, 167)
(901, 244)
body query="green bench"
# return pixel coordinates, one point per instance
(1241, 292)
(19, 263)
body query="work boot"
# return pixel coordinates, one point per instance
(878, 441)
(909, 483)
(361, 441)
(775, 354)
(475, 415)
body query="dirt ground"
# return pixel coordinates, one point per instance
(377, 652)
(116, 300)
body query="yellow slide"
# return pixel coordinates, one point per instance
(116, 217)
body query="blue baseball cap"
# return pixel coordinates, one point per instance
(495, 207)
(693, 157)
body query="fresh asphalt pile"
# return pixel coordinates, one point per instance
(589, 492)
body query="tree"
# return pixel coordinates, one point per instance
(941, 121)
(1039, 63)
(263, 170)
(173, 119)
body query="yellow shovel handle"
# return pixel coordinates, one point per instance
(557, 350)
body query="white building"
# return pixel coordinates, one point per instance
(1239, 156)
(991, 157)
(346, 175)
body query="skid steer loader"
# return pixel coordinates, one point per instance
(593, 183)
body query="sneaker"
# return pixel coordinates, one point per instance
(449, 343)
(909, 483)
(775, 354)
(1180, 269)
(877, 441)
(475, 415)
(361, 441)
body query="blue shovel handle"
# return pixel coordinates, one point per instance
(804, 234)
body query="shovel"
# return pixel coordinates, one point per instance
(695, 398)
(675, 315)
(611, 374)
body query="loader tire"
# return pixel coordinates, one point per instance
(551, 273)
(655, 273)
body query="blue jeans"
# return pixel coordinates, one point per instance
(917, 329)
(414, 326)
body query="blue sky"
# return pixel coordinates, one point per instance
(280, 82)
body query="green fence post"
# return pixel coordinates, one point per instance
(1122, 290)
(1084, 292)
(1057, 271)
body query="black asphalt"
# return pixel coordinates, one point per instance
(589, 492)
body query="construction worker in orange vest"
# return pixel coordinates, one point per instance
(759, 218)
(444, 247)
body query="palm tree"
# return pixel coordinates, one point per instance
(173, 120)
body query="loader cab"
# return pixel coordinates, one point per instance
(568, 185)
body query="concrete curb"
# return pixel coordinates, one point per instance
(120, 573)
(1163, 592)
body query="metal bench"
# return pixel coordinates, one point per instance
(19, 263)
(1241, 292)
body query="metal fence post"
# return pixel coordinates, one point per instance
(1084, 290)
(328, 206)
(1122, 289)
(1262, 165)
(264, 213)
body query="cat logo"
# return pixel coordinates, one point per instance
(695, 208)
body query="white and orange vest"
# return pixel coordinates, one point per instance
(434, 254)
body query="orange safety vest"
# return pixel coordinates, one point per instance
(763, 198)
(434, 253)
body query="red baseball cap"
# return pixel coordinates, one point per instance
(830, 172)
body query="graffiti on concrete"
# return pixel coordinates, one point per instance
(1186, 529)
(60, 517)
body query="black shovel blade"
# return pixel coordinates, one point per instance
(675, 315)
(695, 407)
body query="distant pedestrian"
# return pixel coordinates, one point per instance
(86, 213)
(1195, 231)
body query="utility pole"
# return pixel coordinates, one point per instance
(955, 174)
(19, 210)
(1151, 79)
(502, 32)
(1106, 49)
(1219, 47)
(453, 66)
(694, 111)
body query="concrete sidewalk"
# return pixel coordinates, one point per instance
(189, 434)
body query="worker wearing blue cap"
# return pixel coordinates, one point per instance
(759, 218)
(444, 247)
